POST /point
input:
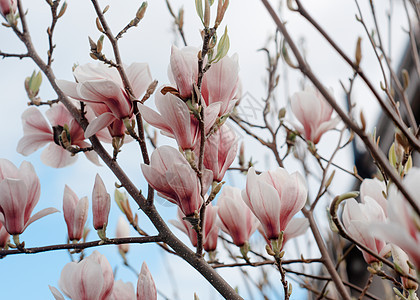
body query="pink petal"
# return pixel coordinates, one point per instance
(140, 78)
(98, 124)
(42, 213)
(109, 93)
(13, 199)
(37, 132)
(57, 157)
(57, 295)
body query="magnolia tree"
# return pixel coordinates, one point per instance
(109, 104)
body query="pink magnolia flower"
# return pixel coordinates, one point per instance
(75, 213)
(170, 174)
(19, 193)
(8, 6)
(90, 279)
(402, 226)
(101, 204)
(220, 151)
(175, 119)
(221, 84)
(210, 229)
(295, 228)
(314, 113)
(183, 69)
(146, 288)
(38, 133)
(274, 197)
(99, 84)
(374, 189)
(123, 230)
(357, 218)
(4, 236)
(236, 219)
(123, 291)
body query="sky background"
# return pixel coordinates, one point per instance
(249, 26)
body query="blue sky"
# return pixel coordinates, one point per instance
(28, 276)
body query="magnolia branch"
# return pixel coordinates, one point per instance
(81, 246)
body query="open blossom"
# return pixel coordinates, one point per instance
(8, 6)
(90, 279)
(274, 197)
(175, 120)
(19, 193)
(170, 174)
(38, 133)
(236, 219)
(146, 288)
(402, 226)
(210, 229)
(314, 113)
(220, 83)
(357, 218)
(101, 204)
(75, 213)
(99, 84)
(220, 151)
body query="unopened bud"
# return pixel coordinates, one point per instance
(141, 11)
(358, 54)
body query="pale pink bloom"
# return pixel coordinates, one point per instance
(374, 189)
(170, 174)
(101, 204)
(221, 84)
(19, 193)
(146, 288)
(175, 120)
(75, 213)
(314, 113)
(220, 151)
(99, 84)
(183, 69)
(123, 291)
(295, 228)
(274, 197)
(236, 219)
(400, 258)
(357, 219)
(210, 229)
(123, 231)
(89, 279)
(8, 6)
(402, 227)
(185, 227)
(4, 236)
(38, 133)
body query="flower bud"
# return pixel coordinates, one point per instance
(101, 203)
(8, 7)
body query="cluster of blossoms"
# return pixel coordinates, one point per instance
(93, 279)
(385, 223)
